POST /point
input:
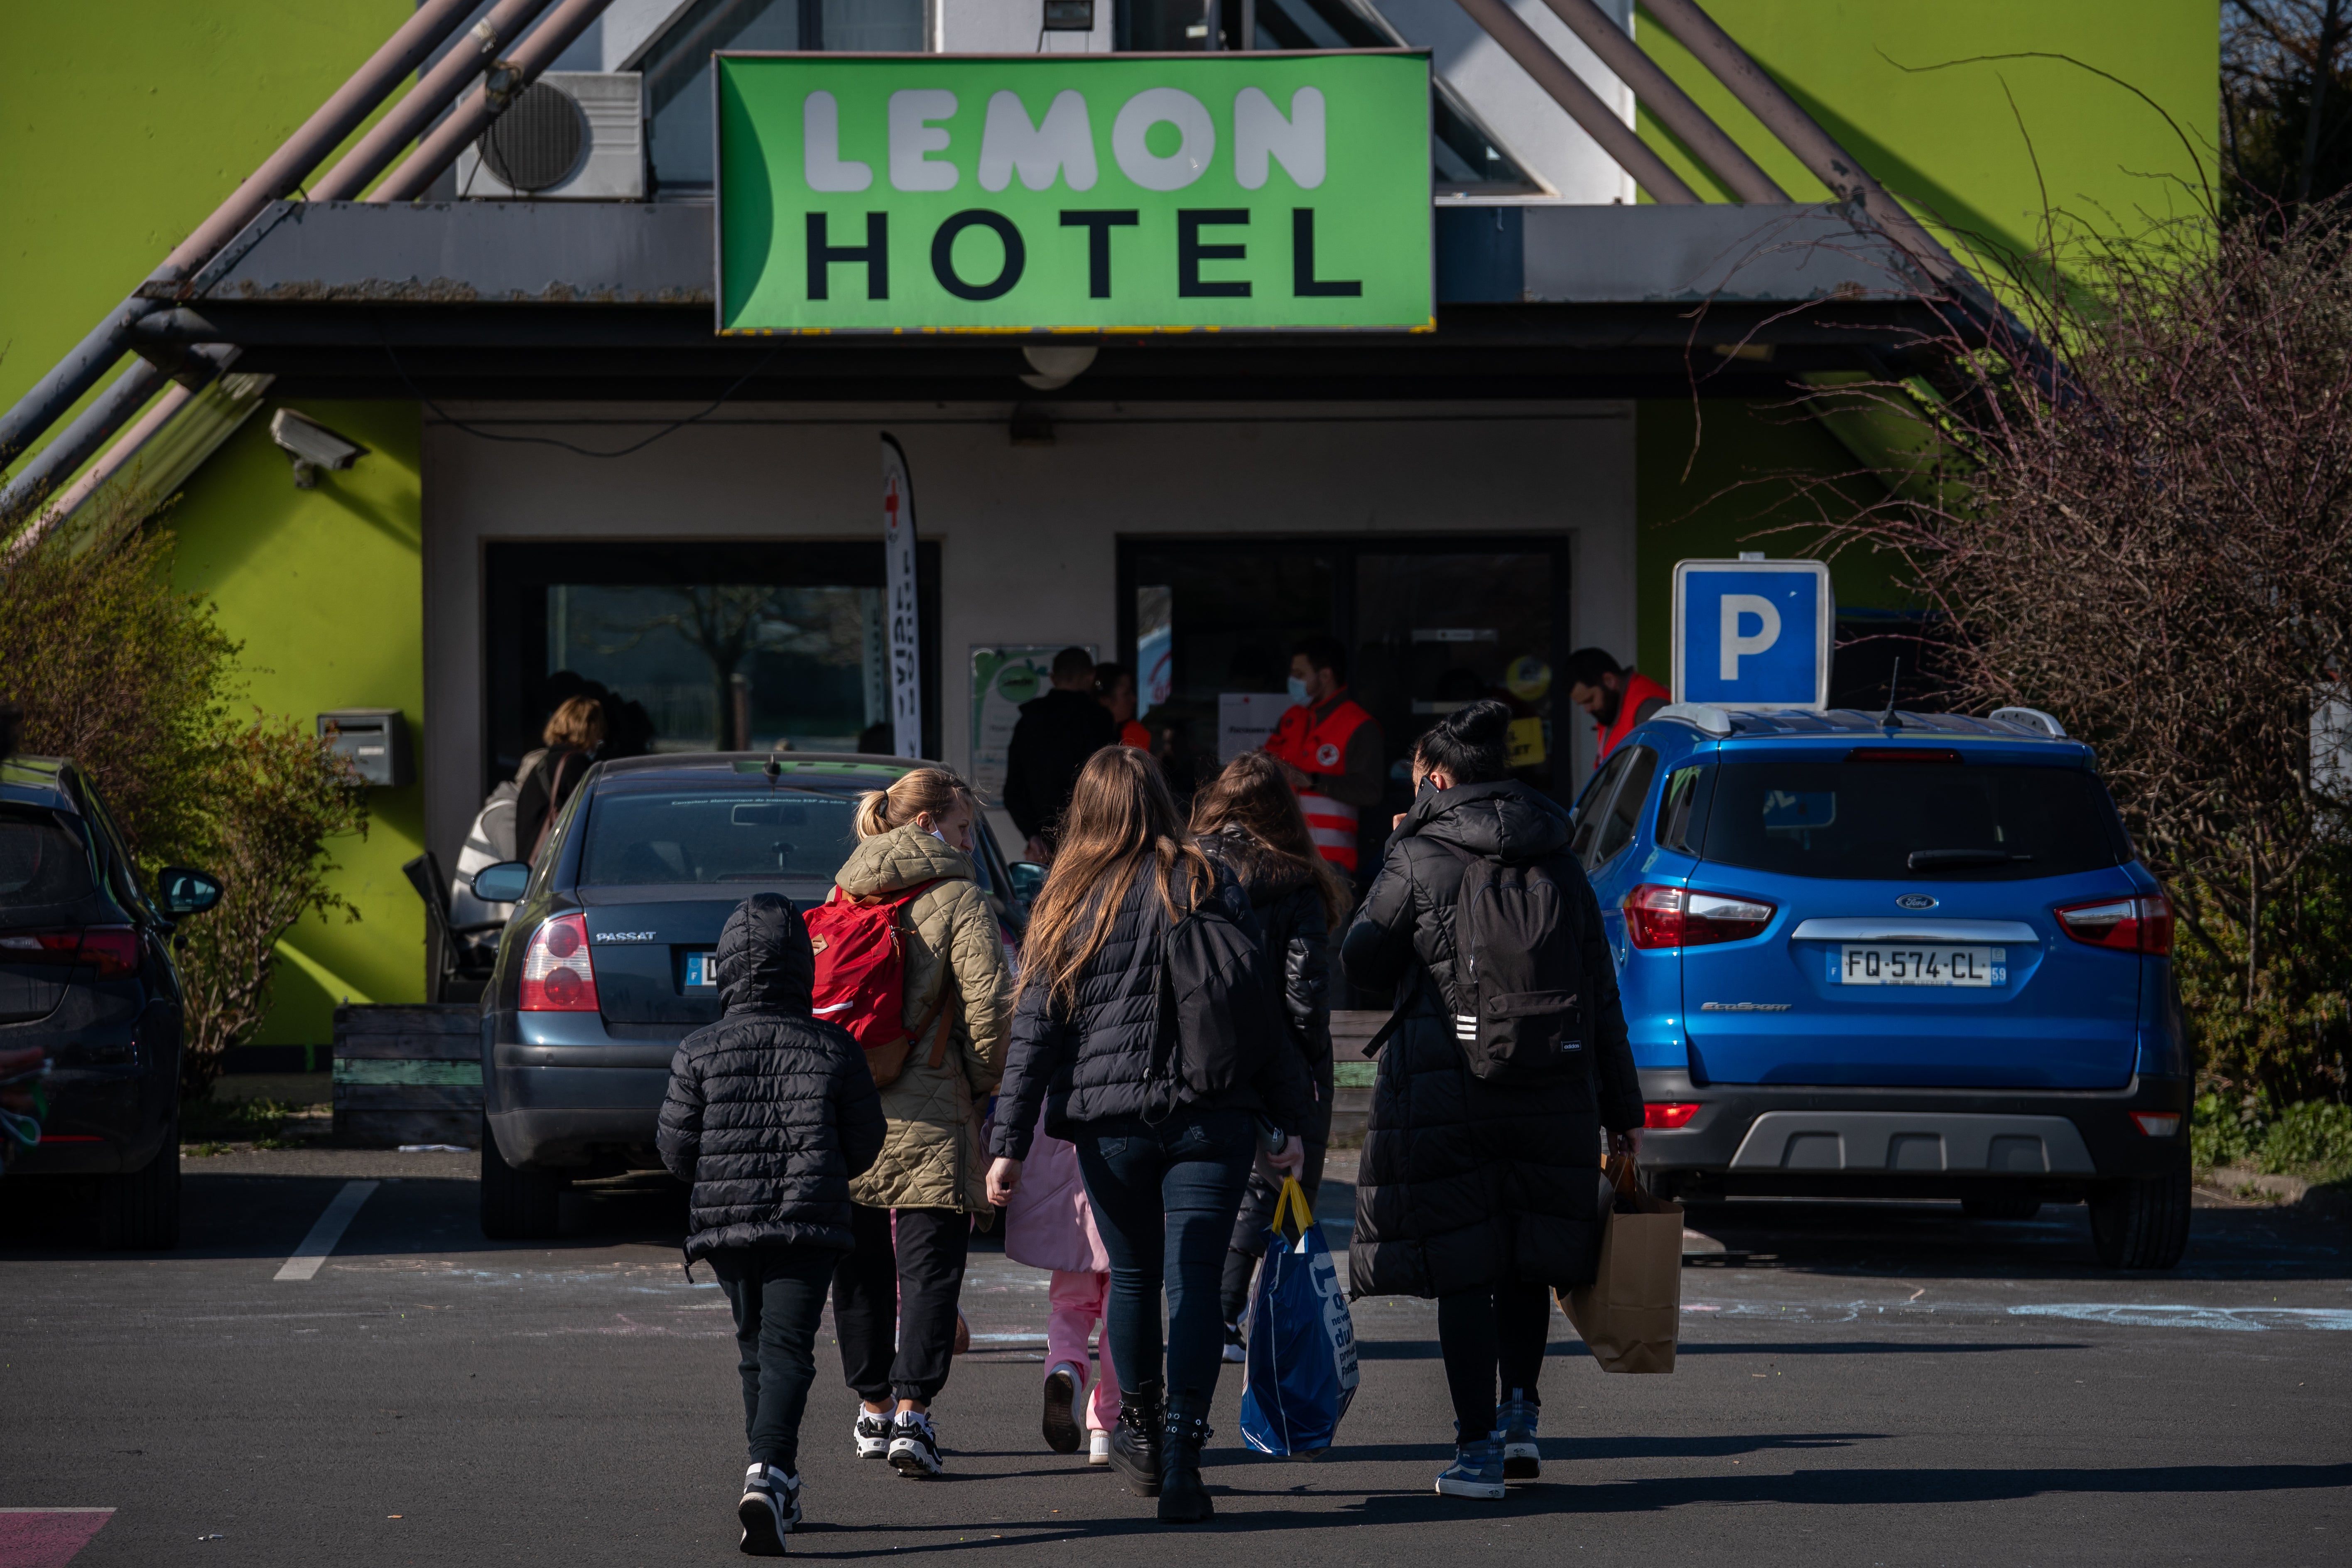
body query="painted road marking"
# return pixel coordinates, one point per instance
(47, 1537)
(330, 1230)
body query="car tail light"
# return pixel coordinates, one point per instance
(2157, 1123)
(1660, 916)
(557, 976)
(2142, 924)
(1667, 1117)
(112, 951)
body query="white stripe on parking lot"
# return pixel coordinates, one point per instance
(327, 1232)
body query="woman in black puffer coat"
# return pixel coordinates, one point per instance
(1163, 1166)
(1484, 1196)
(1248, 820)
(770, 1113)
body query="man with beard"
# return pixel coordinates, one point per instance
(1617, 697)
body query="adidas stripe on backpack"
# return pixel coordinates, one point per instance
(1519, 1011)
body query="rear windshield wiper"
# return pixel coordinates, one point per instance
(1952, 859)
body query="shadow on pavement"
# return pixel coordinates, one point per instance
(1574, 1349)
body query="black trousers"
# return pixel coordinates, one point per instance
(1485, 1332)
(1248, 1243)
(778, 1295)
(895, 1307)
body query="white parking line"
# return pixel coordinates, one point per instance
(327, 1232)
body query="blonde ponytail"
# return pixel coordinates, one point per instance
(920, 790)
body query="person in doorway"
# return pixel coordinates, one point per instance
(894, 1299)
(1484, 1194)
(574, 731)
(1115, 690)
(1329, 749)
(1164, 1164)
(1049, 1225)
(770, 1115)
(1617, 696)
(1249, 821)
(1051, 742)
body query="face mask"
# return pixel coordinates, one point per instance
(938, 835)
(1297, 691)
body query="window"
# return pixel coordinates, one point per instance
(1592, 810)
(676, 64)
(1899, 821)
(1682, 809)
(42, 861)
(679, 835)
(1624, 812)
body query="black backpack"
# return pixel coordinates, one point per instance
(1217, 1021)
(1519, 1015)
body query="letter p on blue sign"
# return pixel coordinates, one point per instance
(1753, 633)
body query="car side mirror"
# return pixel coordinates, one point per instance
(181, 892)
(1028, 881)
(503, 883)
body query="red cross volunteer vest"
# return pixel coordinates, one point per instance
(1639, 688)
(1313, 749)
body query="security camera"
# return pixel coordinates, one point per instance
(311, 446)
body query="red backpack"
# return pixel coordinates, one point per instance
(861, 979)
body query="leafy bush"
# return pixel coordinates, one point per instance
(2315, 1136)
(2222, 1133)
(130, 680)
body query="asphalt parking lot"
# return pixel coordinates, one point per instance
(1856, 1384)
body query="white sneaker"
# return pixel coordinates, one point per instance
(871, 1433)
(770, 1507)
(915, 1446)
(1236, 1351)
(1098, 1448)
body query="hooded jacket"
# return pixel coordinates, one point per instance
(1089, 1062)
(1296, 937)
(770, 1113)
(1466, 1184)
(933, 1159)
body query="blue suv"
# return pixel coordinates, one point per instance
(1911, 955)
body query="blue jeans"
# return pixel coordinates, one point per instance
(1164, 1199)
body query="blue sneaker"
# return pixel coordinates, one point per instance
(1515, 1420)
(1477, 1471)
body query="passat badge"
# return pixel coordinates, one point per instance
(1915, 901)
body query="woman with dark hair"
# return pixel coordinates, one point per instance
(1249, 821)
(1482, 1193)
(1163, 1163)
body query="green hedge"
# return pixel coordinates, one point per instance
(2312, 1138)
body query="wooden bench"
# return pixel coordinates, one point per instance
(408, 1075)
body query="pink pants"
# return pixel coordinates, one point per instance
(1077, 1301)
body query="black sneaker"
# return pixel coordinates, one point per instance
(914, 1446)
(1061, 1424)
(871, 1432)
(770, 1509)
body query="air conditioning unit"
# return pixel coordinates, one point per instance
(576, 136)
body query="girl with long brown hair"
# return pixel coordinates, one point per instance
(1164, 1165)
(1249, 818)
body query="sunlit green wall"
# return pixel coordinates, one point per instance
(1982, 118)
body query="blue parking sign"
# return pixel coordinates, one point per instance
(1753, 633)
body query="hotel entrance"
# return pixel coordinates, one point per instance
(1430, 624)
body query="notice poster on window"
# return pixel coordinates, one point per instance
(1245, 720)
(1003, 677)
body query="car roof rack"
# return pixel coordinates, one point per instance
(2030, 719)
(1722, 722)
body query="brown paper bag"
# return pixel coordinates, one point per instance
(1629, 1312)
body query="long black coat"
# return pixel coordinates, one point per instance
(1468, 1184)
(1296, 936)
(1088, 1063)
(770, 1113)
(1051, 742)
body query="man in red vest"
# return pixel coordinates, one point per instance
(1617, 698)
(1329, 749)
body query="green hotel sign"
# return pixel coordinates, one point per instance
(912, 192)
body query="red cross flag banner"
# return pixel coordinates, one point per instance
(906, 639)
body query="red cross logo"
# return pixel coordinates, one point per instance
(890, 506)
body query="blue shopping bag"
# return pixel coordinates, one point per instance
(1302, 1341)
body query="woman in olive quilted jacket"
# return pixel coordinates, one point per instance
(894, 1299)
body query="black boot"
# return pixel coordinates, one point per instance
(1182, 1498)
(1135, 1443)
